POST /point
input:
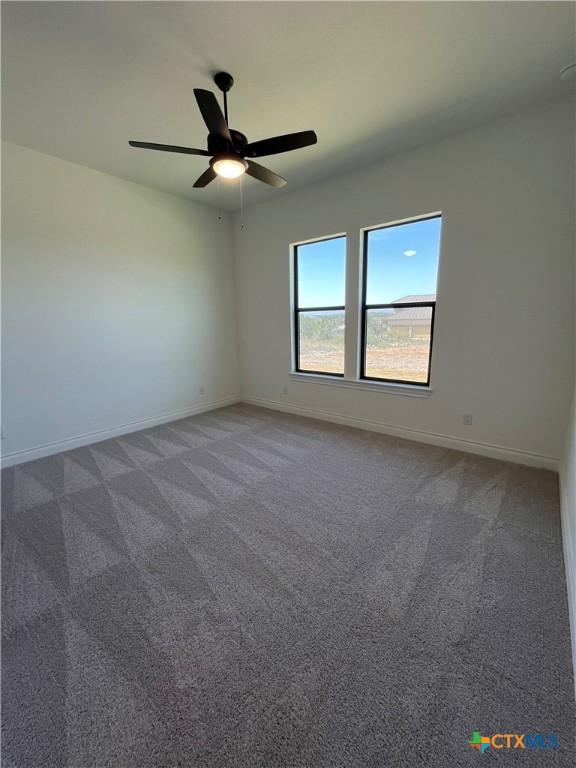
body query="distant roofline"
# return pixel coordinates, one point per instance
(413, 298)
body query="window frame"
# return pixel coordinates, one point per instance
(298, 310)
(365, 308)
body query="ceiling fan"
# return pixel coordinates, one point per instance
(229, 150)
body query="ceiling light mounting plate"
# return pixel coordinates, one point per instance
(224, 81)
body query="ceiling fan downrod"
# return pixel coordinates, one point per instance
(224, 81)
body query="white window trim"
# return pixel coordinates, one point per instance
(384, 387)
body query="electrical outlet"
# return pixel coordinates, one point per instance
(467, 419)
(284, 390)
(202, 391)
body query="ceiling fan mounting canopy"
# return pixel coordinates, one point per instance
(229, 148)
(224, 81)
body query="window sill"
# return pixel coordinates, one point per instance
(407, 390)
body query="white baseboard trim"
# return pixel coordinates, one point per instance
(433, 438)
(40, 451)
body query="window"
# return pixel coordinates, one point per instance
(319, 298)
(391, 332)
(399, 301)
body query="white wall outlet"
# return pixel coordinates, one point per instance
(467, 419)
(284, 390)
(202, 390)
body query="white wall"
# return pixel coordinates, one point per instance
(568, 501)
(118, 303)
(503, 347)
(568, 505)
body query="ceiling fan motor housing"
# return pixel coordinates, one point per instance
(218, 145)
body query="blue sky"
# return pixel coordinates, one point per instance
(322, 273)
(391, 273)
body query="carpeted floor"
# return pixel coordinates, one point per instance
(250, 589)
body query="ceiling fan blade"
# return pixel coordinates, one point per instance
(208, 176)
(212, 113)
(278, 144)
(169, 148)
(265, 175)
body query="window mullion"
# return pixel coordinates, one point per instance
(352, 311)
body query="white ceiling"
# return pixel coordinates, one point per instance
(80, 79)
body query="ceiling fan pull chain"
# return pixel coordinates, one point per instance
(241, 206)
(218, 191)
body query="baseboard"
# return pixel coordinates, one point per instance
(445, 441)
(39, 451)
(433, 438)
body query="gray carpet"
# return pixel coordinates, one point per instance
(250, 589)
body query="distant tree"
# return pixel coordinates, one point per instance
(377, 331)
(323, 329)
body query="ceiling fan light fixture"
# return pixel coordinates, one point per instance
(229, 167)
